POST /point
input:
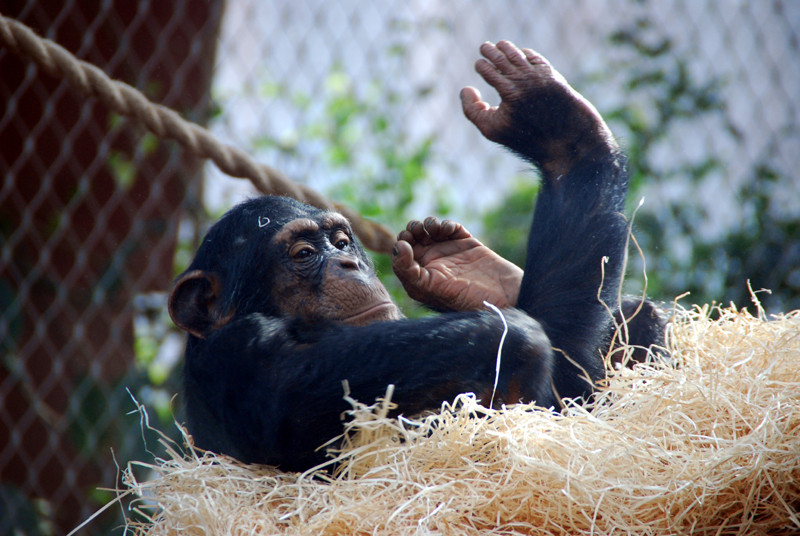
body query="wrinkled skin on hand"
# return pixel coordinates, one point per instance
(443, 266)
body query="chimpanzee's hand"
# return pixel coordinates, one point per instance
(540, 116)
(442, 265)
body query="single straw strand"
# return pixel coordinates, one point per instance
(499, 348)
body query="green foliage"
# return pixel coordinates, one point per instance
(155, 375)
(763, 247)
(123, 167)
(506, 226)
(662, 93)
(376, 166)
(122, 170)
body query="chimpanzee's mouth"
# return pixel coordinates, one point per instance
(379, 312)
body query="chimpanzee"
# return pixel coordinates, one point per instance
(282, 305)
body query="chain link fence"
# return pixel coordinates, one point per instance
(358, 100)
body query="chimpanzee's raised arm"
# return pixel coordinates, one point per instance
(577, 239)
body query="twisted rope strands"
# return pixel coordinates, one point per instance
(165, 123)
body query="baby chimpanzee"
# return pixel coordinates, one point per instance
(282, 305)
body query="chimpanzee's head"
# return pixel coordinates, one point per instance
(279, 257)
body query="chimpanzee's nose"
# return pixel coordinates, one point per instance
(349, 263)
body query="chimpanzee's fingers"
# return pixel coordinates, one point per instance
(442, 230)
(498, 58)
(513, 54)
(455, 230)
(407, 237)
(403, 257)
(472, 104)
(533, 57)
(432, 225)
(490, 73)
(417, 230)
(406, 267)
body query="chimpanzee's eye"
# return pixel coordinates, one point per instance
(340, 240)
(302, 250)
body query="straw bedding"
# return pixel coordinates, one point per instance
(707, 444)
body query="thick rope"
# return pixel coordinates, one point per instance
(165, 123)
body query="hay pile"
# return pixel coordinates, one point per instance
(711, 446)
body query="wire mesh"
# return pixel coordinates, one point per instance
(96, 215)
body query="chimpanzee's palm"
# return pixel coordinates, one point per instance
(442, 265)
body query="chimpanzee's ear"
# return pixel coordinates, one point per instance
(193, 303)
